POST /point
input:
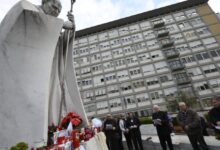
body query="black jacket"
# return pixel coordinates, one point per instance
(110, 127)
(133, 122)
(214, 116)
(164, 128)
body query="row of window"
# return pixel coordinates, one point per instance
(130, 100)
(147, 35)
(141, 99)
(144, 25)
(200, 56)
(154, 81)
(127, 86)
(156, 55)
(141, 47)
(202, 88)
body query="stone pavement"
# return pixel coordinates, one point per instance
(180, 142)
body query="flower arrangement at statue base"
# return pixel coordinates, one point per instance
(67, 136)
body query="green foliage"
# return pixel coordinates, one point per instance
(189, 100)
(146, 120)
(20, 146)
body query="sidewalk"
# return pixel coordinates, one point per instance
(183, 139)
(180, 142)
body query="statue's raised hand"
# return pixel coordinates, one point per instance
(70, 24)
(70, 16)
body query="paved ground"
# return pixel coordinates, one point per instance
(183, 139)
(181, 142)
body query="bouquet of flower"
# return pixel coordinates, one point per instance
(72, 117)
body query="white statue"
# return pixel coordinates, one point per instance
(37, 80)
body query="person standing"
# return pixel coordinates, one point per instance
(161, 121)
(119, 134)
(191, 124)
(133, 124)
(214, 115)
(110, 130)
(125, 131)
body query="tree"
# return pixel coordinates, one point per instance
(190, 100)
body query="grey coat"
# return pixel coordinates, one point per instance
(191, 119)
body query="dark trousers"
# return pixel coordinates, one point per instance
(164, 140)
(120, 141)
(136, 139)
(109, 142)
(198, 138)
(113, 142)
(128, 141)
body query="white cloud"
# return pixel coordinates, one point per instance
(92, 12)
(167, 2)
(215, 5)
(131, 7)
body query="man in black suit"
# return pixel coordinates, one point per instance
(133, 124)
(161, 121)
(110, 130)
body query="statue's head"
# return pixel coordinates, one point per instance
(51, 7)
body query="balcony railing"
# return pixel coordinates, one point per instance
(177, 67)
(185, 80)
(171, 53)
(158, 23)
(171, 98)
(167, 43)
(162, 33)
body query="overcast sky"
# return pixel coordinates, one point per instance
(93, 12)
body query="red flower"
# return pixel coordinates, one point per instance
(72, 117)
(75, 138)
(76, 121)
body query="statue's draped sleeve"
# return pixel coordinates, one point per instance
(28, 49)
(63, 73)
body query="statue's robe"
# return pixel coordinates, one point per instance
(31, 68)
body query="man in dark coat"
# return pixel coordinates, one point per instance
(161, 121)
(110, 130)
(133, 124)
(214, 115)
(191, 124)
